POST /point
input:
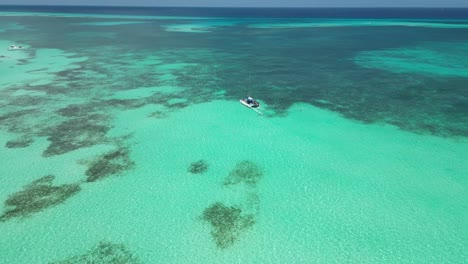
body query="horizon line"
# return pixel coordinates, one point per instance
(248, 7)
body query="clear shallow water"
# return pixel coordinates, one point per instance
(359, 156)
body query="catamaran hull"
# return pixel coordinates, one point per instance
(248, 105)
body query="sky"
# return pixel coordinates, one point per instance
(249, 3)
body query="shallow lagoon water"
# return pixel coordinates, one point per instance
(358, 157)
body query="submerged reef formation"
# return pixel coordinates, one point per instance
(198, 167)
(227, 222)
(111, 163)
(15, 115)
(75, 110)
(17, 121)
(244, 172)
(104, 253)
(37, 196)
(19, 143)
(76, 133)
(158, 115)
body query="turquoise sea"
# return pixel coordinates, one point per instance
(123, 140)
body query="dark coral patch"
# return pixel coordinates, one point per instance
(180, 105)
(111, 163)
(15, 115)
(37, 196)
(198, 167)
(27, 100)
(104, 253)
(123, 104)
(244, 172)
(75, 110)
(158, 115)
(19, 143)
(227, 222)
(76, 133)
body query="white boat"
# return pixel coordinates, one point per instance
(14, 47)
(250, 102)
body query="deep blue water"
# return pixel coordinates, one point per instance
(414, 13)
(312, 65)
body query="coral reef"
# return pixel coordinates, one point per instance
(16, 114)
(158, 115)
(227, 223)
(123, 104)
(19, 143)
(180, 105)
(37, 196)
(198, 167)
(104, 253)
(27, 100)
(75, 110)
(76, 133)
(244, 172)
(111, 163)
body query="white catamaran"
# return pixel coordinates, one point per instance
(251, 103)
(14, 47)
